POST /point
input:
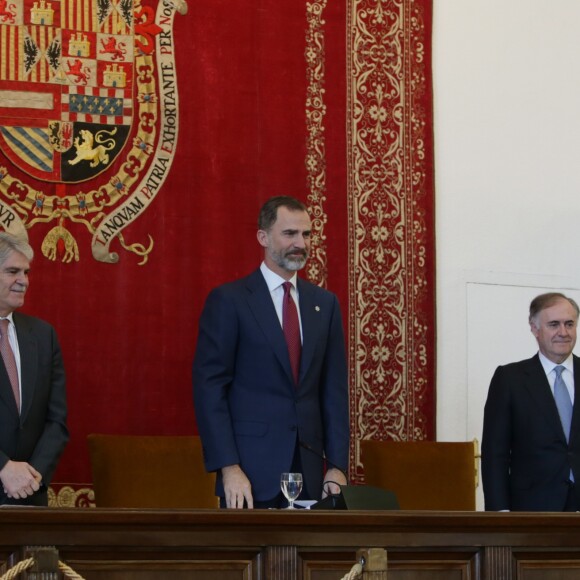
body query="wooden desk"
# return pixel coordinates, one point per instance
(283, 545)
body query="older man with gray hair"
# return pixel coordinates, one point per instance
(531, 427)
(33, 431)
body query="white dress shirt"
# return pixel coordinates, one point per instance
(274, 283)
(567, 374)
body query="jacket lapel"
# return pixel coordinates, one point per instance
(6, 393)
(310, 318)
(575, 426)
(28, 362)
(262, 307)
(539, 389)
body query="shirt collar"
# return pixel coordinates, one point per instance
(549, 365)
(273, 280)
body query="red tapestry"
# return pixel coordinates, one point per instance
(391, 222)
(156, 136)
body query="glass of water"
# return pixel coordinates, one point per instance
(291, 485)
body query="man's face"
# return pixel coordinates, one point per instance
(13, 282)
(555, 330)
(287, 243)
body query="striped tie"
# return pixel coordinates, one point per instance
(9, 360)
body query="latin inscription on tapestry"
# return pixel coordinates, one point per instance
(88, 118)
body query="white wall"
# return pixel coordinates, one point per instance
(507, 150)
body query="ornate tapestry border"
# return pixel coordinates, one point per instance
(389, 285)
(315, 146)
(70, 496)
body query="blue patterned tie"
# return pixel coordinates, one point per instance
(563, 401)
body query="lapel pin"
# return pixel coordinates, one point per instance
(317, 308)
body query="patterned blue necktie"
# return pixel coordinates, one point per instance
(563, 401)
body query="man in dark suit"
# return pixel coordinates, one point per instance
(262, 407)
(33, 430)
(531, 427)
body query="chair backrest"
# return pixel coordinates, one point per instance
(425, 475)
(150, 472)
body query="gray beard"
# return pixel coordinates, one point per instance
(292, 264)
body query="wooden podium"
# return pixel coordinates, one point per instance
(115, 544)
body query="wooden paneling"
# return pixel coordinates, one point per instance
(301, 545)
(540, 565)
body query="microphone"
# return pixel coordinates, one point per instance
(351, 497)
(332, 501)
(309, 447)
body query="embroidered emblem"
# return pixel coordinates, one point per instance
(88, 118)
(86, 151)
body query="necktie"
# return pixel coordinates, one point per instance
(9, 360)
(291, 327)
(563, 401)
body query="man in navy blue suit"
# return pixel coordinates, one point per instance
(530, 451)
(256, 417)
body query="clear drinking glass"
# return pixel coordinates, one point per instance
(291, 485)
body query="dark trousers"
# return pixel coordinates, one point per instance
(572, 503)
(40, 498)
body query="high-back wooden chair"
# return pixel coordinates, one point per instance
(425, 475)
(136, 471)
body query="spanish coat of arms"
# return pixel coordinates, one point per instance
(88, 117)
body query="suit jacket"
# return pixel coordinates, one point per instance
(39, 433)
(526, 460)
(248, 409)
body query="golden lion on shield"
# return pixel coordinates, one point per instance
(87, 151)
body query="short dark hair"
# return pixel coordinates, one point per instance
(546, 300)
(269, 211)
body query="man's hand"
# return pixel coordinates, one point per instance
(237, 487)
(333, 479)
(19, 479)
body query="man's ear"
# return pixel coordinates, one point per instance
(533, 328)
(262, 236)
